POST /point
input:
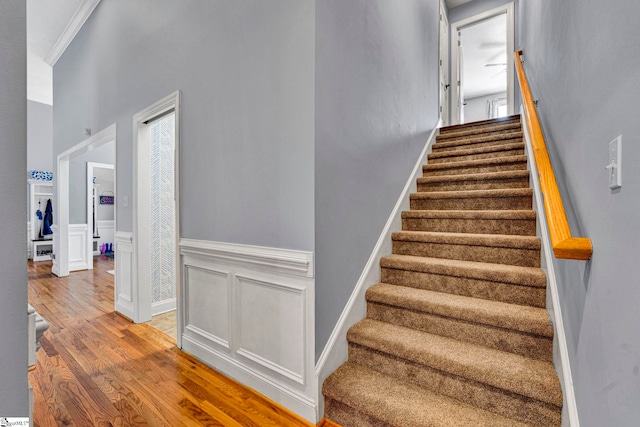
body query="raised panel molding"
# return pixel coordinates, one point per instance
(124, 274)
(248, 311)
(77, 247)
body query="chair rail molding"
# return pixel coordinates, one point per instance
(249, 312)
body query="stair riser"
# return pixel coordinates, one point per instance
(478, 156)
(472, 203)
(508, 256)
(467, 143)
(478, 288)
(347, 416)
(453, 170)
(480, 226)
(503, 402)
(484, 184)
(528, 345)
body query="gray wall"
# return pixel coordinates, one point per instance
(582, 58)
(476, 108)
(376, 102)
(13, 172)
(245, 70)
(39, 136)
(78, 180)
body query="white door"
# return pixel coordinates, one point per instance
(444, 67)
(460, 78)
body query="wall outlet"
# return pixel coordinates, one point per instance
(615, 163)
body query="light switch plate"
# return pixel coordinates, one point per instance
(615, 163)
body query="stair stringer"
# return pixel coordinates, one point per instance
(560, 350)
(335, 351)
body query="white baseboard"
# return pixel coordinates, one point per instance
(163, 307)
(124, 274)
(335, 352)
(248, 312)
(78, 247)
(561, 352)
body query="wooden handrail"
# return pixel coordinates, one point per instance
(564, 245)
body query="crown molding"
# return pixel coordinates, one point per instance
(78, 19)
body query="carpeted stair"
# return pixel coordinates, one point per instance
(457, 333)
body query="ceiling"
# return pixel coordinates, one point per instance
(484, 47)
(47, 21)
(455, 3)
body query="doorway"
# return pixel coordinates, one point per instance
(482, 59)
(101, 209)
(156, 209)
(443, 69)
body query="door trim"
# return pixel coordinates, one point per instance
(141, 285)
(507, 8)
(90, 220)
(61, 245)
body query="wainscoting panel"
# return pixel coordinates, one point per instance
(124, 274)
(249, 312)
(78, 247)
(106, 228)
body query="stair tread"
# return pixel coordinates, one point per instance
(474, 177)
(524, 276)
(532, 378)
(471, 214)
(531, 320)
(476, 150)
(469, 239)
(495, 193)
(476, 162)
(399, 403)
(482, 125)
(454, 140)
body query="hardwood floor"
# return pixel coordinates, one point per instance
(96, 368)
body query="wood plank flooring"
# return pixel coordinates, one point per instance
(96, 368)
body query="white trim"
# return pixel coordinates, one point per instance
(272, 351)
(78, 19)
(297, 263)
(55, 267)
(141, 198)
(163, 306)
(335, 351)
(123, 275)
(563, 366)
(507, 8)
(61, 245)
(90, 200)
(78, 246)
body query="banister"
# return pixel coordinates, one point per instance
(564, 245)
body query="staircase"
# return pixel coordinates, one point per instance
(456, 332)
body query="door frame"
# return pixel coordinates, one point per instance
(141, 286)
(90, 167)
(61, 242)
(457, 26)
(443, 69)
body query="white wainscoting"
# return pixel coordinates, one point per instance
(124, 274)
(248, 311)
(29, 245)
(55, 267)
(78, 247)
(107, 231)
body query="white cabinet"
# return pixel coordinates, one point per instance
(40, 192)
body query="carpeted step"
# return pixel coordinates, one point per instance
(476, 166)
(363, 397)
(493, 248)
(476, 153)
(508, 327)
(509, 199)
(513, 386)
(517, 222)
(486, 139)
(476, 181)
(480, 127)
(497, 282)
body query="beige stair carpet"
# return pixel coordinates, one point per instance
(457, 333)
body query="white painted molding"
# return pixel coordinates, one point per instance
(78, 257)
(335, 351)
(297, 263)
(78, 19)
(163, 307)
(29, 243)
(248, 312)
(55, 267)
(124, 274)
(563, 365)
